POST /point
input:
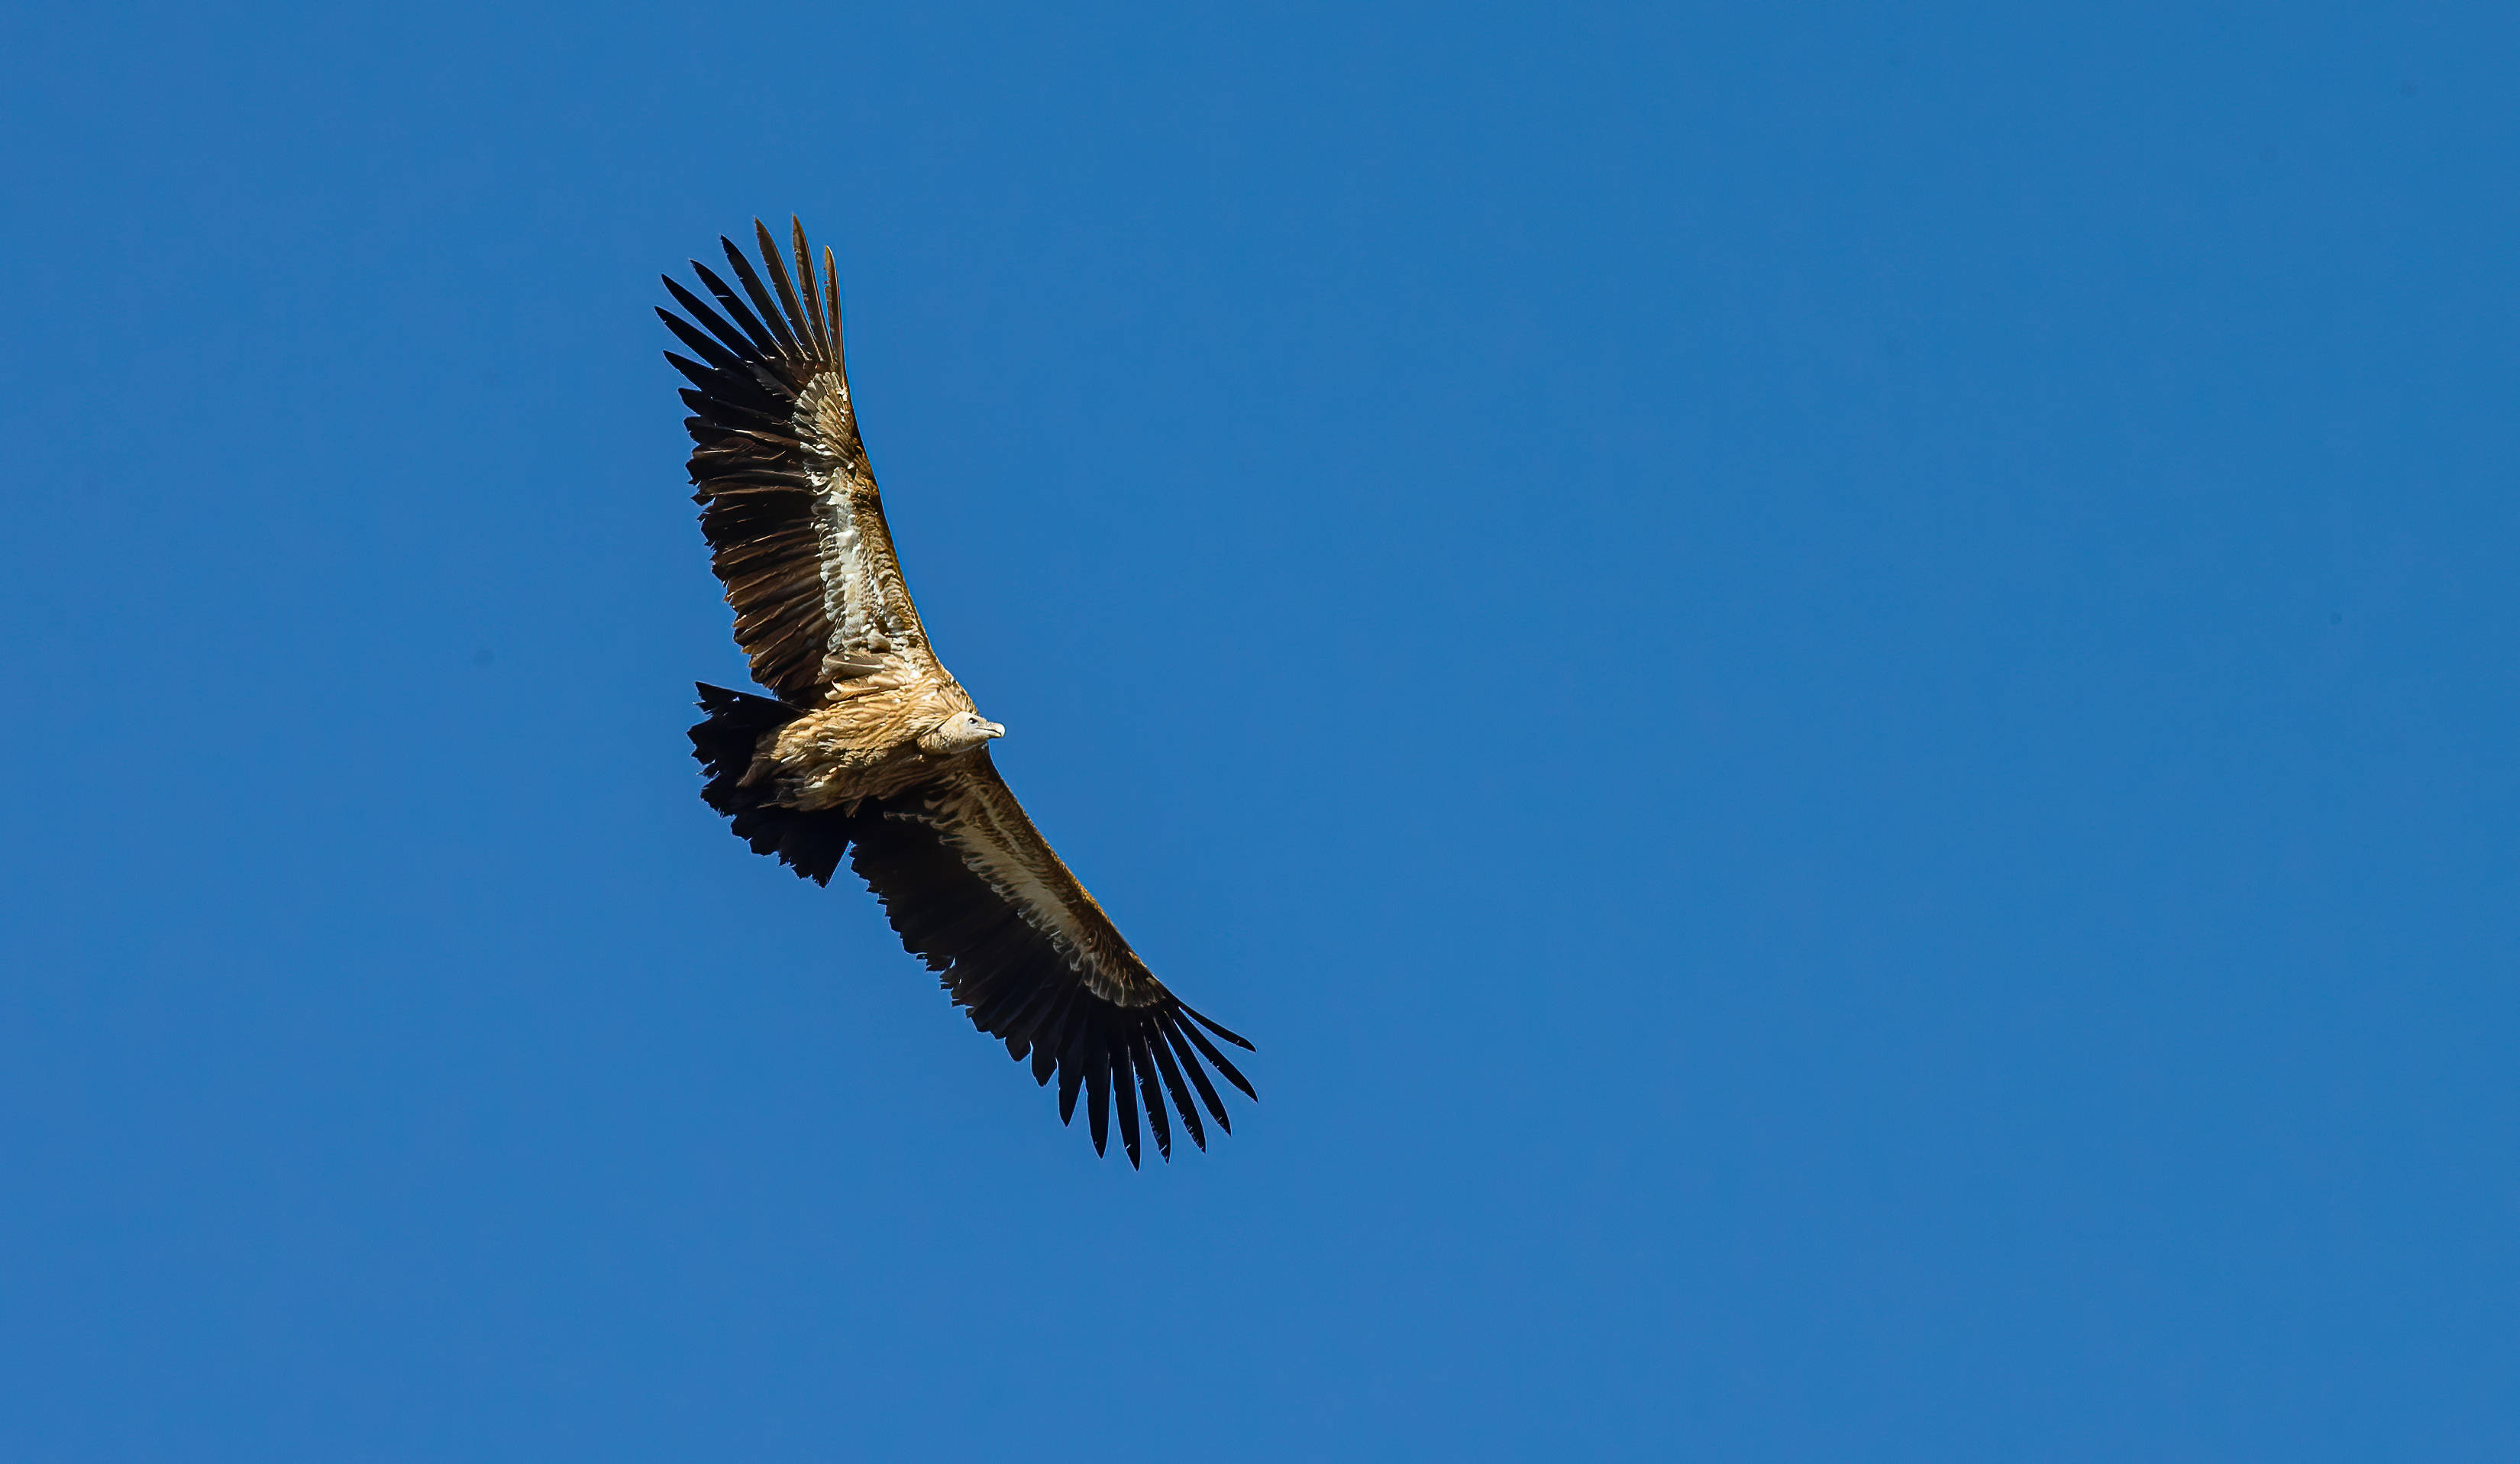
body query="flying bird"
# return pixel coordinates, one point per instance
(868, 749)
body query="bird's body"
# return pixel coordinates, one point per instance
(877, 737)
(871, 749)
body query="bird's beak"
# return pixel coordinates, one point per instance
(996, 729)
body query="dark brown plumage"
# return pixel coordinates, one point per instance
(870, 750)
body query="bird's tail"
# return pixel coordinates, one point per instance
(725, 743)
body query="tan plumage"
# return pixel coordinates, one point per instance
(872, 750)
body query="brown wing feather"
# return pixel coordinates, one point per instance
(788, 500)
(973, 890)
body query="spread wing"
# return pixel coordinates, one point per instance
(788, 500)
(975, 890)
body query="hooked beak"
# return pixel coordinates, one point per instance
(995, 729)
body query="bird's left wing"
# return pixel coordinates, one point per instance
(975, 890)
(788, 499)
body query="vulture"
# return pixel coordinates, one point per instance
(867, 749)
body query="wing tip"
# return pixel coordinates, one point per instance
(1212, 1025)
(1141, 1063)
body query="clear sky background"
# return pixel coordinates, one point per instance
(1834, 684)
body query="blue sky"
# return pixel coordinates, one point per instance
(1833, 683)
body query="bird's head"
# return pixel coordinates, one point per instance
(959, 733)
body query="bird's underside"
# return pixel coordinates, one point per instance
(868, 750)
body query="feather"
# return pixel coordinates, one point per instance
(1124, 1090)
(761, 301)
(1144, 1066)
(701, 376)
(1163, 1053)
(1218, 1057)
(1097, 1092)
(1071, 1072)
(1026, 1009)
(763, 423)
(1196, 1016)
(831, 301)
(702, 345)
(762, 340)
(1197, 1075)
(813, 301)
(807, 348)
(715, 324)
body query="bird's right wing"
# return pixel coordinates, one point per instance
(788, 500)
